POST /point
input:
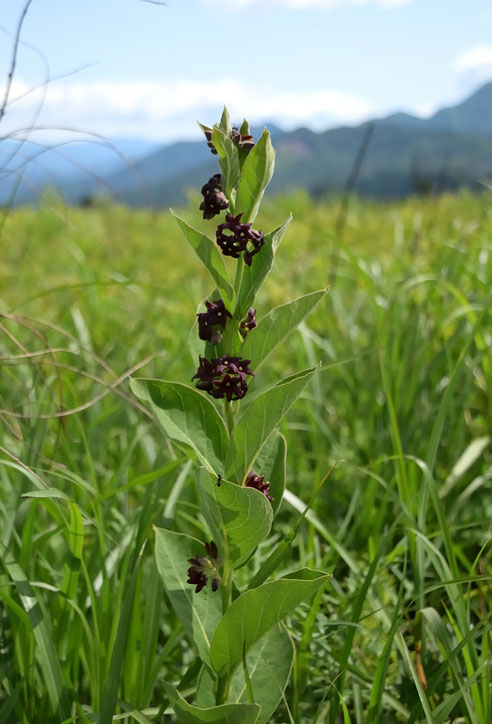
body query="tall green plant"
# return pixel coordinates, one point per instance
(232, 435)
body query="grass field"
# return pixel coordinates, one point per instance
(402, 406)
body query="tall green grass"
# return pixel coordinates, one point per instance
(401, 409)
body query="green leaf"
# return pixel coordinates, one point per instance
(269, 665)
(254, 275)
(276, 326)
(244, 130)
(255, 177)
(225, 122)
(464, 463)
(228, 160)
(259, 421)
(188, 418)
(72, 567)
(239, 518)
(204, 128)
(257, 611)
(109, 697)
(212, 259)
(271, 463)
(224, 714)
(46, 493)
(45, 652)
(198, 612)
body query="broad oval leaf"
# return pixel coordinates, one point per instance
(255, 612)
(255, 177)
(211, 258)
(259, 421)
(188, 418)
(276, 326)
(239, 518)
(269, 665)
(254, 275)
(198, 612)
(223, 714)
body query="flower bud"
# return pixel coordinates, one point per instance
(208, 136)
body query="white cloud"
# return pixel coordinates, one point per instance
(426, 109)
(304, 4)
(476, 59)
(151, 109)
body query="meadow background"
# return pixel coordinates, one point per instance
(401, 410)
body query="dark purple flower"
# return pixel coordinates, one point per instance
(214, 199)
(241, 140)
(212, 322)
(202, 568)
(223, 377)
(208, 136)
(249, 323)
(212, 551)
(242, 239)
(195, 576)
(258, 482)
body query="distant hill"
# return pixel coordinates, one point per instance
(75, 168)
(407, 155)
(473, 116)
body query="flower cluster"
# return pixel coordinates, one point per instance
(258, 482)
(223, 377)
(202, 568)
(211, 323)
(243, 141)
(241, 239)
(214, 199)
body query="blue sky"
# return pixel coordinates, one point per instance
(139, 69)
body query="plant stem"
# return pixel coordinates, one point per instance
(229, 415)
(226, 586)
(224, 682)
(239, 275)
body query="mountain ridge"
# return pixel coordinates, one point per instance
(407, 154)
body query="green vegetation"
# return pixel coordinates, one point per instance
(399, 416)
